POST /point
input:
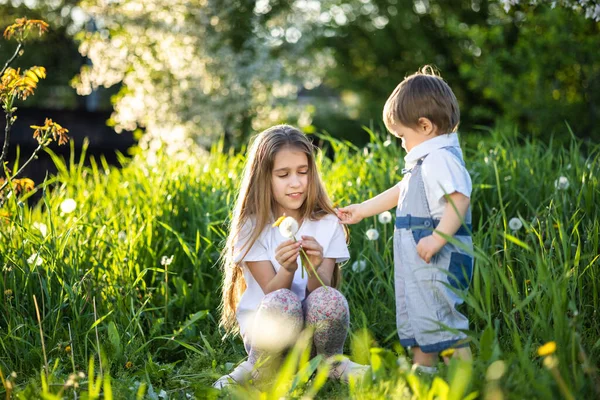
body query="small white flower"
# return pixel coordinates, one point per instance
(68, 206)
(122, 236)
(35, 259)
(515, 224)
(562, 183)
(385, 217)
(359, 265)
(372, 234)
(288, 227)
(166, 261)
(41, 227)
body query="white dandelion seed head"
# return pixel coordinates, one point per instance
(562, 183)
(274, 332)
(359, 265)
(372, 234)
(41, 227)
(166, 261)
(35, 260)
(288, 227)
(515, 224)
(385, 217)
(122, 236)
(68, 206)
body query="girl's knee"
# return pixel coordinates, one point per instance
(327, 303)
(327, 295)
(281, 299)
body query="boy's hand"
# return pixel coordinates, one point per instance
(429, 246)
(286, 254)
(350, 214)
(313, 250)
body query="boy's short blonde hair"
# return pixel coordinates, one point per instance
(423, 94)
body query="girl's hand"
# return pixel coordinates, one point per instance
(429, 246)
(350, 214)
(286, 254)
(313, 250)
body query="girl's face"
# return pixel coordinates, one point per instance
(289, 181)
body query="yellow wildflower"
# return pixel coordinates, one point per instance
(68, 349)
(447, 353)
(128, 364)
(8, 292)
(547, 349)
(279, 221)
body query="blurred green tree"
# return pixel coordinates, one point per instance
(535, 67)
(192, 71)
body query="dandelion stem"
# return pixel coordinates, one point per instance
(97, 337)
(37, 311)
(312, 267)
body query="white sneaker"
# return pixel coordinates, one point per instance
(345, 369)
(241, 374)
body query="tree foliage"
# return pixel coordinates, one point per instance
(201, 69)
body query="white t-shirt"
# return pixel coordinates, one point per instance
(327, 231)
(442, 171)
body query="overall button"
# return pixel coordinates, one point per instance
(427, 223)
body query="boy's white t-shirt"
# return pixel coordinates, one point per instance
(442, 171)
(328, 233)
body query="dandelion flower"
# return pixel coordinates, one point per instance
(122, 236)
(551, 361)
(495, 371)
(41, 227)
(166, 261)
(447, 353)
(547, 349)
(279, 221)
(359, 265)
(562, 183)
(385, 217)
(288, 227)
(35, 260)
(68, 206)
(8, 292)
(128, 364)
(515, 224)
(68, 349)
(372, 234)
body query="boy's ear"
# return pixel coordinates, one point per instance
(426, 127)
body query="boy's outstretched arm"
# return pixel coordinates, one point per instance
(449, 224)
(355, 213)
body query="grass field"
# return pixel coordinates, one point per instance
(125, 278)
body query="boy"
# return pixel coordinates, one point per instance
(433, 205)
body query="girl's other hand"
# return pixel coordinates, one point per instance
(313, 250)
(286, 254)
(349, 214)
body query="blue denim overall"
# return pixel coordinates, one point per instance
(427, 294)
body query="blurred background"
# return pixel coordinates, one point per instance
(175, 75)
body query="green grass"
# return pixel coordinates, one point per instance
(157, 324)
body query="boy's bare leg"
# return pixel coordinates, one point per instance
(424, 359)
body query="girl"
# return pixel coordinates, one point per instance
(266, 295)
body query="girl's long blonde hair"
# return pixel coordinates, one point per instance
(255, 200)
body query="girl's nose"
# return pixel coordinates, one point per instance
(295, 180)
